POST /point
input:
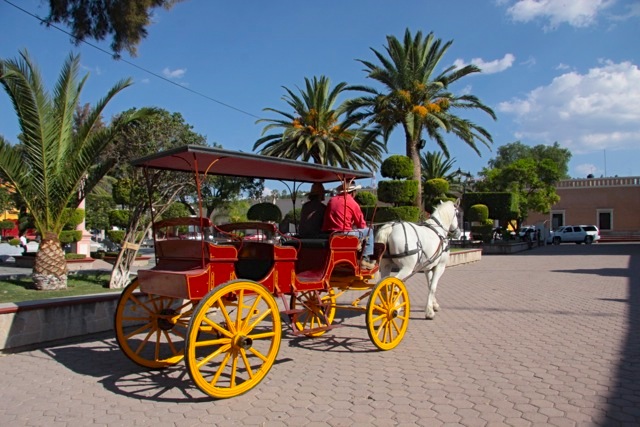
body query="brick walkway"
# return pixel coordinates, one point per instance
(545, 337)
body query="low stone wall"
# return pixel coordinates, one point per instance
(464, 257)
(28, 323)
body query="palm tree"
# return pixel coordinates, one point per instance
(436, 165)
(49, 166)
(417, 98)
(315, 131)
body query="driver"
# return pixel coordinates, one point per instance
(343, 213)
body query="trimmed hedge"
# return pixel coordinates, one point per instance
(397, 213)
(397, 167)
(365, 198)
(502, 206)
(398, 192)
(478, 213)
(70, 236)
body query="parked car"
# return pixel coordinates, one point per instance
(523, 231)
(574, 234)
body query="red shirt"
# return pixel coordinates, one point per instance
(342, 214)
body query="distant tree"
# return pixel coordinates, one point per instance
(509, 153)
(317, 130)
(125, 20)
(533, 181)
(161, 131)
(417, 99)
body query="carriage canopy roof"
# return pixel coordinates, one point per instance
(217, 161)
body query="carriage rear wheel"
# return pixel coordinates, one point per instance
(233, 338)
(388, 313)
(319, 309)
(150, 329)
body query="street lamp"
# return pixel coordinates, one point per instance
(468, 179)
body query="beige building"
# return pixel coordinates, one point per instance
(612, 204)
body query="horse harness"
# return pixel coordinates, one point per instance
(443, 246)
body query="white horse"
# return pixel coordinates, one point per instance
(413, 248)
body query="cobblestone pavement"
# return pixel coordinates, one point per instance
(546, 337)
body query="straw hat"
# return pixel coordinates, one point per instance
(341, 188)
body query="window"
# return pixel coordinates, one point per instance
(605, 219)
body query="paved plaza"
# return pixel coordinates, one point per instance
(550, 336)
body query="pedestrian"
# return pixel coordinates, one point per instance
(23, 244)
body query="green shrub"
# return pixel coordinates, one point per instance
(116, 236)
(397, 213)
(479, 213)
(289, 216)
(74, 256)
(436, 186)
(7, 225)
(397, 167)
(72, 218)
(70, 236)
(398, 192)
(14, 242)
(365, 198)
(264, 212)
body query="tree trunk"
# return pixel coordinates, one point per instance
(122, 268)
(50, 268)
(413, 152)
(126, 257)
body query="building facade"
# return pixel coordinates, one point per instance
(612, 204)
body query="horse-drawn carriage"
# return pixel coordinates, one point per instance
(212, 299)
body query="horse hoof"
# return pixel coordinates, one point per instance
(429, 317)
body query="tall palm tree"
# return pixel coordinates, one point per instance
(417, 98)
(316, 130)
(49, 165)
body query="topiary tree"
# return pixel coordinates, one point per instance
(264, 212)
(397, 167)
(482, 225)
(400, 191)
(435, 191)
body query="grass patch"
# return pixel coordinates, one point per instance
(82, 284)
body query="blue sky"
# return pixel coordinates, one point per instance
(553, 70)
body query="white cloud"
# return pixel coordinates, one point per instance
(489, 67)
(562, 67)
(585, 169)
(577, 13)
(584, 112)
(178, 73)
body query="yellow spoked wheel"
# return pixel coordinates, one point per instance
(151, 329)
(319, 310)
(388, 313)
(233, 338)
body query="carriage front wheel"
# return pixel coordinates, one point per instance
(233, 338)
(150, 329)
(388, 313)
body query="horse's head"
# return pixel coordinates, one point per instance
(447, 213)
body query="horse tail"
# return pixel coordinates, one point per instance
(383, 233)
